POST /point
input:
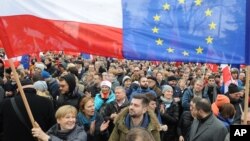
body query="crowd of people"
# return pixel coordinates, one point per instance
(108, 99)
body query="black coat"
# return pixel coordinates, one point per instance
(42, 110)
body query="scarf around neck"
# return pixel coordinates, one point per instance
(84, 120)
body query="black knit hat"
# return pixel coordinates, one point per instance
(171, 78)
(232, 88)
(152, 78)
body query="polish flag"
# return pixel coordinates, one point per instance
(227, 77)
(213, 67)
(89, 26)
(16, 61)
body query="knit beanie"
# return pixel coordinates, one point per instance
(125, 78)
(233, 88)
(40, 66)
(220, 100)
(171, 78)
(71, 81)
(166, 88)
(106, 83)
(41, 86)
(45, 74)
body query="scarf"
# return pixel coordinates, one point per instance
(84, 120)
(144, 124)
(62, 134)
(166, 102)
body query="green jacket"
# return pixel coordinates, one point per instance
(120, 131)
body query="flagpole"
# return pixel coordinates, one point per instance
(246, 95)
(26, 104)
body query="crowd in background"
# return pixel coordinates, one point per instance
(79, 99)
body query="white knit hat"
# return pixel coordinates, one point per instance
(40, 66)
(106, 83)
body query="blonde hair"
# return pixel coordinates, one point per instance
(44, 94)
(64, 110)
(139, 134)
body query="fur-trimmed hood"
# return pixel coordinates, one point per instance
(153, 123)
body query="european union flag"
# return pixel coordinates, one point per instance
(214, 31)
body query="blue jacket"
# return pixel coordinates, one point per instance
(99, 101)
(142, 91)
(187, 97)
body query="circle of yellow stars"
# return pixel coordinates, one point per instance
(167, 7)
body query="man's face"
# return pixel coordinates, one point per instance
(152, 105)
(136, 70)
(136, 108)
(120, 94)
(144, 82)
(64, 87)
(234, 75)
(172, 83)
(193, 109)
(151, 83)
(211, 82)
(235, 96)
(198, 86)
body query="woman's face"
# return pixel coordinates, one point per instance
(168, 94)
(89, 108)
(67, 122)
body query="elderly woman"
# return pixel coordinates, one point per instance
(92, 121)
(169, 112)
(65, 129)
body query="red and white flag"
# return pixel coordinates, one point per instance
(61, 25)
(227, 77)
(213, 67)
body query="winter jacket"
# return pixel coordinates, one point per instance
(187, 97)
(121, 126)
(76, 134)
(100, 102)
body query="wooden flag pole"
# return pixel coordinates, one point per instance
(26, 104)
(246, 95)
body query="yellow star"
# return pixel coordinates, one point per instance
(157, 18)
(208, 12)
(159, 42)
(170, 50)
(198, 2)
(209, 40)
(199, 50)
(181, 1)
(185, 53)
(166, 6)
(155, 30)
(212, 25)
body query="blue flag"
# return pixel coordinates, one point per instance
(25, 61)
(214, 31)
